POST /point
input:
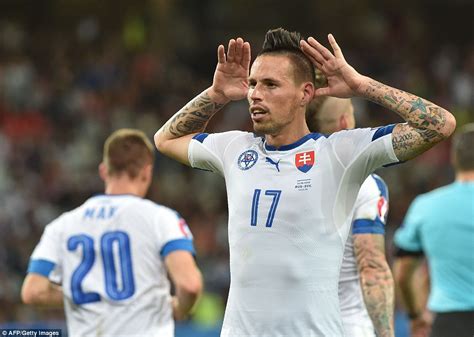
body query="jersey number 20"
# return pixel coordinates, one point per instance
(107, 241)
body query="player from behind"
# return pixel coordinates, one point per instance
(112, 254)
(366, 292)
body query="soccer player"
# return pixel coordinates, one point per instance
(291, 193)
(440, 226)
(366, 291)
(112, 254)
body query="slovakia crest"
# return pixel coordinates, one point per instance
(304, 161)
(247, 159)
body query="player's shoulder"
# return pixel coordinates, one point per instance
(227, 135)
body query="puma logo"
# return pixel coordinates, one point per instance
(269, 160)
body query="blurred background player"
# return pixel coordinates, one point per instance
(112, 254)
(440, 226)
(290, 192)
(366, 292)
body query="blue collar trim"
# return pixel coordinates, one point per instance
(295, 144)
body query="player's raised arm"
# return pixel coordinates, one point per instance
(229, 84)
(426, 123)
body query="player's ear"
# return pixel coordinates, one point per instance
(343, 123)
(308, 93)
(147, 172)
(103, 171)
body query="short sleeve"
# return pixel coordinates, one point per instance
(407, 237)
(206, 151)
(366, 148)
(370, 214)
(174, 233)
(46, 257)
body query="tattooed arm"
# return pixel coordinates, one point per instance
(229, 83)
(376, 281)
(426, 123)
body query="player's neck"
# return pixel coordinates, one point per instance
(123, 185)
(287, 136)
(465, 176)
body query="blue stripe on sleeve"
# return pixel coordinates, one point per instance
(200, 137)
(366, 226)
(382, 131)
(42, 267)
(381, 185)
(178, 244)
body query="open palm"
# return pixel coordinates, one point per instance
(232, 71)
(343, 80)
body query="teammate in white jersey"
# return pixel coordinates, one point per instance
(111, 255)
(366, 292)
(291, 193)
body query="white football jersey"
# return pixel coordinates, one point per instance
(370, 214)
(108, 254)
(290, 211)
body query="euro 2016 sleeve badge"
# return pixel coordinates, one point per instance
(304, 161)
(247, 159)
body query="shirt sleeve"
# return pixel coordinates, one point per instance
(407, 237)
(368, 149)
(46, 257)
(174, 233)
(206, 151)
(370, 215)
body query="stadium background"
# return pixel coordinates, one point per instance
(71, 71)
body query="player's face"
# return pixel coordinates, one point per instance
(273, 94)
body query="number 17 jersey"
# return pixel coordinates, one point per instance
(290, 212)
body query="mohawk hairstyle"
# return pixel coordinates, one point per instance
(279, 41)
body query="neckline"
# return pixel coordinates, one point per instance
(292, 145)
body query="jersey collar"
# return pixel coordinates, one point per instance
(293, 145)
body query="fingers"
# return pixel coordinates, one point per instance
(320, 48)
(246, 55)
(322, 92)
(231, 51)
(335, 47)
(221, 54)
(238, 52)
(314, 55)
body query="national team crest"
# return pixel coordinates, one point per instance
(304, 161)
(247, 159)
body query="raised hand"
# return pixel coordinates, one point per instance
(232, 71)
(343, 80)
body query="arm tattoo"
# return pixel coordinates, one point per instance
(426, 123)
(193, 117)
(376, 282)
(417, 112)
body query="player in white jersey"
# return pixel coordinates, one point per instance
(366, 291)
(111, 255)
(291, 193)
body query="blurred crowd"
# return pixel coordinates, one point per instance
(65, 84)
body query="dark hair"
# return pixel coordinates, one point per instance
(282, 42)
(127, 151)
(462, 148)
